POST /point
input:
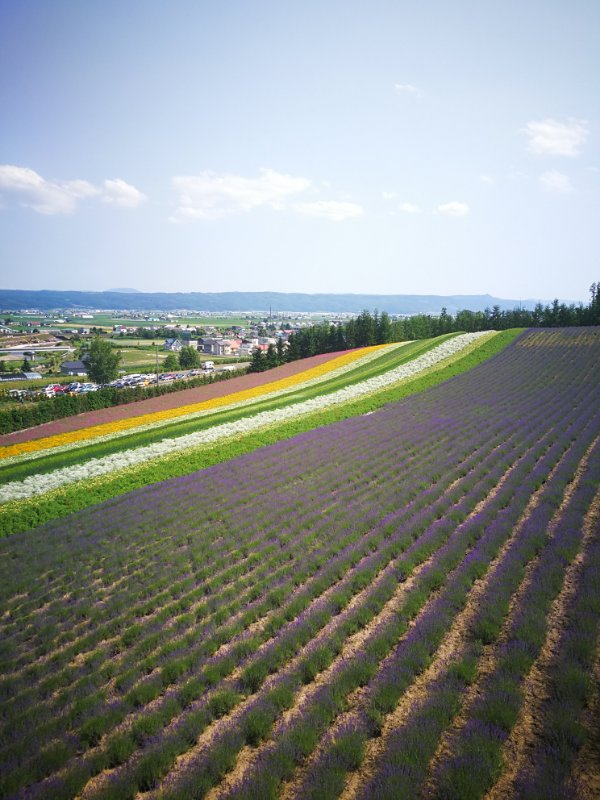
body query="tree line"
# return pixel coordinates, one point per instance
(378, 328)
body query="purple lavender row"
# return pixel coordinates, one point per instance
(319, 781)
(292, 626)
(403, 768)
(496, 708)
(263, 768)
(374, 415)
(561, 732)
(413, 654)
(138, 640)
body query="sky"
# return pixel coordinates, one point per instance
(314, 146)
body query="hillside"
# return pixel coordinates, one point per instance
(12, 300)
(377, 608)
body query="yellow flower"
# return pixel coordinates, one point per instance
(107, 428)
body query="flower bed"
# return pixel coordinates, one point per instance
(41, 484)
(171, 407)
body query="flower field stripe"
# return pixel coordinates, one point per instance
(18, 467)
(21, 515)
(168, 427)
(267, 765)
(156, 430)
(183, 411)
(171, 426)
(40, 484)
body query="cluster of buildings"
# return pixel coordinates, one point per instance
(237, 343)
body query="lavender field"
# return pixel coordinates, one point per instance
(404, 604)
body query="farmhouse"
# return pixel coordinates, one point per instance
(217, 346)
(73, 368)
(173, 345)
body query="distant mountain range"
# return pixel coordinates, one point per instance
(130, 300)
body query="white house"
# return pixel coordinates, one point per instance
(173, 345)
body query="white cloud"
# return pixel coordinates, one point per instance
(554, 181)
(409, 208)
(119, 193)
(60, 197)
(453, 209)
(548, 137)
(209, 195)
(45, 197)
(408, 88)
(389, 195)
(484, 178)
(333, 210)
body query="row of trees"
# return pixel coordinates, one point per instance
(377, 328)
(274, 355)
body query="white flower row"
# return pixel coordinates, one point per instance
(40, 484)
(161, 423)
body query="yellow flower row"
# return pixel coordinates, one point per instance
(108, 428)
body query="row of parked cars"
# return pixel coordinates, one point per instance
(72, 388)
(164, 377)
(126, 381)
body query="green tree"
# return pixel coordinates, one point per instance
(280, 350)
(189, 358)
(383, 329)
(25, 366)
(257, 364)
(170, 363)
(53, 362)
(103, 361)
(271, 359)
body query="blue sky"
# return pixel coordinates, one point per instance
(388, 147)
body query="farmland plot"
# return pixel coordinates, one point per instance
(402, 604)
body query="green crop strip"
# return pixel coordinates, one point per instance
(22, 515)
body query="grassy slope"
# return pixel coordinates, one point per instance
(19, 516)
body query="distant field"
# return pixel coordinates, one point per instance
(107, 321)
(380, 608)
